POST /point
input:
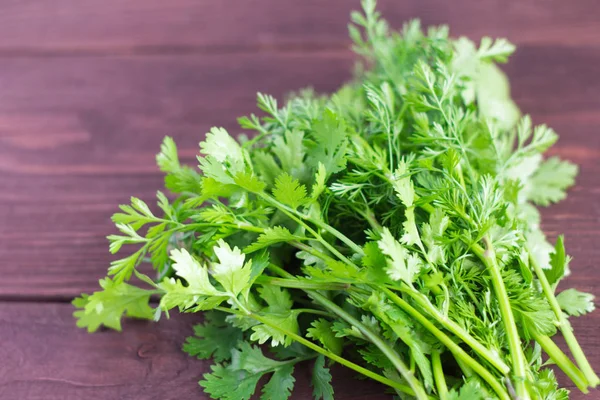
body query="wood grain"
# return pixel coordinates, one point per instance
(39, 27)
(45, 357)
(89, 88)
(78, 136)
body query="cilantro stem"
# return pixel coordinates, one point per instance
(385, 348)
(467, 372)
(243, 227)
(488, 257)
(438, 375)
(560, 358)
(312, 311)
(347, 363)
(456, 350)
(295, 283)
(447, 323)
(565, 328)
(310, 250)
(299, 218)
(452, 326)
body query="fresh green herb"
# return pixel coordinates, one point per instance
(390, 228)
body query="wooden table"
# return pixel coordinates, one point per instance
(89, 88)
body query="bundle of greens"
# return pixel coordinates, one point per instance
(390, 228)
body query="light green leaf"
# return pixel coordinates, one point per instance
(108, 306)
(167, 159)
(411, 234)
(559, 262)
(549, 183)
(319, 185)
(230, 271)
(400, 265)
(266, 166)
(279, 300)
(330, 134)
(576, 303)
(263, 333)
(432, 231)
(195, 275)
(223, 149)
(249, 181)
(470, 390)
(271, 236)
(289, 149)
(289, 191)
(497, 50)
(403, 185)
(321, 330)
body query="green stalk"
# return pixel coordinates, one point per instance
(385, 348)
(456, 329)
(438, 375)
(556, 355)
(389, 352)
(488, 257)
(456, 350)
(300, 283)
(327, 353)
(565, 328)
(312, 251)
(312, 311)
(298, 218)
(466, 371)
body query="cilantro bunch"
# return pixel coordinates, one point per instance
(391, 228)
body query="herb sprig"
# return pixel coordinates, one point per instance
(390, 227)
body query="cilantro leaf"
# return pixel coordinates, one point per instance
(576, 303)
(195, 275)
(470, 390)
(229, 383)
(239, 379)
(497, 50)
(230, 271)
(280, 385)
(321, 330)
(215, 338)
(179, 178)
(108, 306)
(289, 191)
(401, 264)
(559, 262)
(330, 135)
(271, 236)
(222, 148)
(549, 182)
(321, 380)
(289, 149)
(319, 185)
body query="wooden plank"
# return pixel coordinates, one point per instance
(113, 26)
(45, 357)
(78, 137)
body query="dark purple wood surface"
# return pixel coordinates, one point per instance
(89, 88)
